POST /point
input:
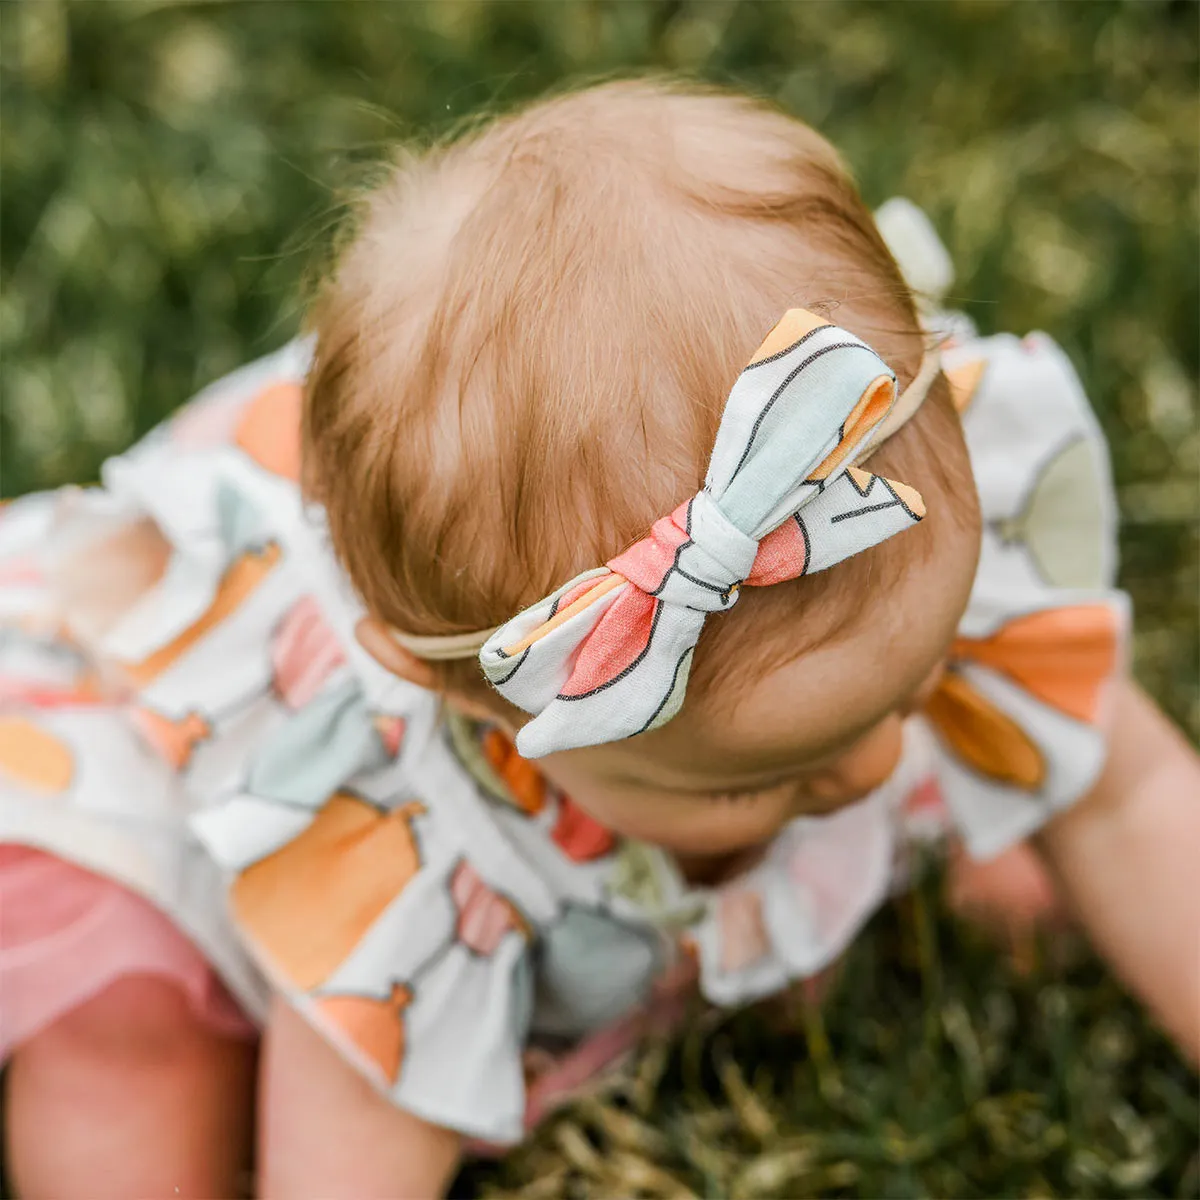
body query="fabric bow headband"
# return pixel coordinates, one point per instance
(607, 655)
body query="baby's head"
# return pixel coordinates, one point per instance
(522, 360)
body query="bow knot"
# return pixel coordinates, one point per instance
(696, 557)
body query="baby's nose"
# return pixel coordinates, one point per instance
(864, 767)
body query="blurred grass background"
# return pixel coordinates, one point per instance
(168, 173)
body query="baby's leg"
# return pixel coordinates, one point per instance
(129, 1097)
(325, 1134)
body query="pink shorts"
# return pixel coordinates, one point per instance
(67, 934)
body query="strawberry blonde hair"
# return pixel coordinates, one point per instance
(525, 347)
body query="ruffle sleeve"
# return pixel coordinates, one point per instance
(362, 881)
(137, 650)
(1020, 720)
(1016, 731)
(369, 881)
(1021, 715)
(196, 720)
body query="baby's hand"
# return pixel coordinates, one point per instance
(1012, 896)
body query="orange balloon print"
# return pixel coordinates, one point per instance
(871, 408)
(985, 738)
(523, 780)
(1064, 656)
(790, 328)
(237, 585)
(376, 1027)
(580, 837)
(964, 382)
(174, 740)
(34, 758)
(269, 429)
(310, 902)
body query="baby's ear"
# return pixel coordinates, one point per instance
(375, 637)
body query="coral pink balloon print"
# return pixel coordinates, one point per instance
(174, 740)
(925, 808)
(391, 733)
(21, 571)
(484, 917)
(304, 654)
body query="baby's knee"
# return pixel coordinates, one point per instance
(139, 1016)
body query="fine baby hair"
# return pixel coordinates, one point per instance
(543, 376)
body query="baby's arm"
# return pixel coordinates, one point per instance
(325, 1134)
(1126, 857)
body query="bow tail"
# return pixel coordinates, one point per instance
(631, 681)
(854, 511)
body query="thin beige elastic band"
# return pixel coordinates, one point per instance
(449, 648)
(460, 646)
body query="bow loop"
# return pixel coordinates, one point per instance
(695, 557)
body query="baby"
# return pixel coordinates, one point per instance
(783, 608)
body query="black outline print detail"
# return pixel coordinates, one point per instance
(862, 512)
(762, 362)
(524, 653)
(863, 492)
(710, 587)
(676, 569)
(895, 502)
(667, 694)
(788, 381)
(662, 583)
(516, 667)
(807, 544)
(659, 605)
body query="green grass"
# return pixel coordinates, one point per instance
(935, 1070)
(170, 174)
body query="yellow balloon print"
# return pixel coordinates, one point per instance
(1062, 521)
(375, 1026)
(964, 381)
(309, 903)
(34, 758)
